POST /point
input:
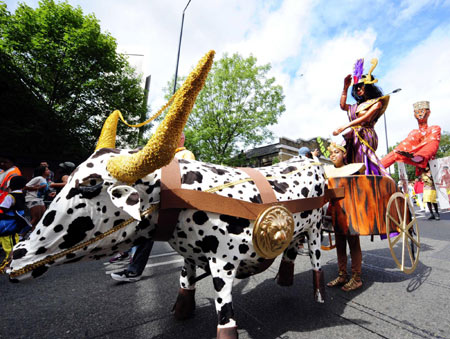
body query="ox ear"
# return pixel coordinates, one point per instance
(126, 198)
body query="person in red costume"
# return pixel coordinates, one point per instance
(421, 144)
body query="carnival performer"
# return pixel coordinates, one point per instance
(421, 145)
(429, 194)
(338, 155)
(362, 140)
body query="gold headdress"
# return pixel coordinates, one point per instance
(339, 147)
(359, 78)
(421, 105)
(161, 147)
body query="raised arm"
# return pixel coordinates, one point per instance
(364, 118)
(347, 82)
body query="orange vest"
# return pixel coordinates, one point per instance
(12, 172)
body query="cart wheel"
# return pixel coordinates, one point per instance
(399, 220)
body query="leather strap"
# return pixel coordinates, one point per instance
(167, 218)
(210, 202)
(265, 189)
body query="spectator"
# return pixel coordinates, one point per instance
(12, 221)
(66, 168)
(429, 194)
(36, 189)
(418, 188)
(8, 171)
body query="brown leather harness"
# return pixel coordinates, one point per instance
(173, 198)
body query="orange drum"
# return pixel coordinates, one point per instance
(362, 211)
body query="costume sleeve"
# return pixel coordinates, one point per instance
(428, 151)
(7, 202)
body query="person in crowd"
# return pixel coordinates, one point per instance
(361, 144)
(445, 180)
(12, 221)
(51, 176)
(65, 169)
(421, 145)
(8, 170)
(51, 192)
(418, 188)
(35, 193)
(429, 194)
(142, 253)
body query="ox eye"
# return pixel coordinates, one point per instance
(91, 182)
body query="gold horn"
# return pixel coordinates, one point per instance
(160, 149)
(107, 137)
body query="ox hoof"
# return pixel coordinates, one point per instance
(319, 286)
(227, 332)
(286, 273)
(185, 305)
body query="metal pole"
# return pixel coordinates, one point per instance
(385, 127)
(179, 47)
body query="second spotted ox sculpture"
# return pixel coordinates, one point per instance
(231, 222)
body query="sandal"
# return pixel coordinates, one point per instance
(353, 284)
(342, 279)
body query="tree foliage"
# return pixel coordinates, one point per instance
(233, 110)
(61, 59)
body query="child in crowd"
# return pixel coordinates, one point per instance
(12, 221)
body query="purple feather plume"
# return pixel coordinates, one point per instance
(358, 70)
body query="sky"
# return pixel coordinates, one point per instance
(311, 46)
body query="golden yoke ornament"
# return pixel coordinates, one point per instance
(273, 231)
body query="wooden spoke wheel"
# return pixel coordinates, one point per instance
(402, 232)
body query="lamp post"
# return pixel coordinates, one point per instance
(385, 126)
(179, 47)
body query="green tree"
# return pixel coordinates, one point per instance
(233, 110)
(67, 64)
(444, 145)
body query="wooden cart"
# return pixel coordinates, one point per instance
(372, 206)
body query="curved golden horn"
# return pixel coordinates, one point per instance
(107, 137)
(374, 63)
(160, 149)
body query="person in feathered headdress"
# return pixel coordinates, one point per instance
(362, 140)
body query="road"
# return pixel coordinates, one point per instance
(82, 301)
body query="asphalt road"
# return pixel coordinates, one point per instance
(81, 300)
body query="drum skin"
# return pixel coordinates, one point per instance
(362, 211)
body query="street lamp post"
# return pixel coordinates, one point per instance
(179, 47)
(385, 126)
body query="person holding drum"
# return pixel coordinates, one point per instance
(361, 144)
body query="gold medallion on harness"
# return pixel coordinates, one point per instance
(273, 231)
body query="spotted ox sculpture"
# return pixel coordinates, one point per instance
(112, 201)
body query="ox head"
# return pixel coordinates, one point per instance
(110, 201)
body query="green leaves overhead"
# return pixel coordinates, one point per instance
(233, 110)
(67, 63)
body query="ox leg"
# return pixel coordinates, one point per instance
(185, 304)
(285, 276)
(223, 274)
(315, 254)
